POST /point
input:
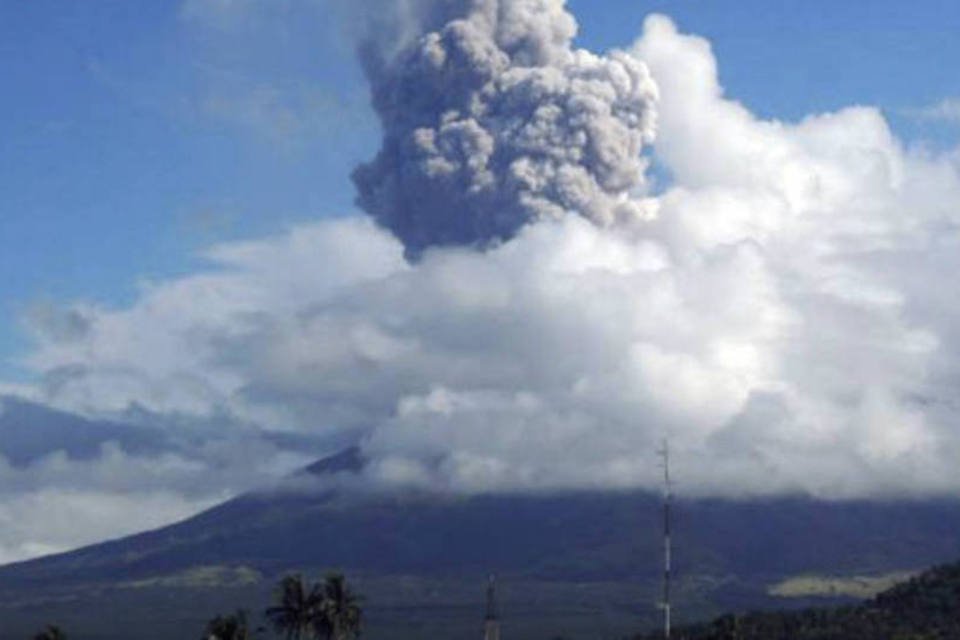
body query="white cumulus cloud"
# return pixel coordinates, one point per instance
(946, 110)
(782, 311)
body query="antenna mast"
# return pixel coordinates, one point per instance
(491, 621)
(665, 604)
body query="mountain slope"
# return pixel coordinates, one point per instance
(584, 554)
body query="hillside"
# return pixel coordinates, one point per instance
(924, 607)
(586, 562)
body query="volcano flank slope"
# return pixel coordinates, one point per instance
(567, 562)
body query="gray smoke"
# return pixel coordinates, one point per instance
(492, 119)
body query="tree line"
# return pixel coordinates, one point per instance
(925, 607)
(325, 610)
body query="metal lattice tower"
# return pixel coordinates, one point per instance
(667, 548)
(491, 621)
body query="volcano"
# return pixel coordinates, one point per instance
(573, 562)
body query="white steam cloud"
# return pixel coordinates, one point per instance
(783, 311)
(493, 120)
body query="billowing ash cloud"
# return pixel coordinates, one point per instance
(492, 120)
(785, 314)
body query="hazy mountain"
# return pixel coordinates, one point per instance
(29, 431)
(564, 560)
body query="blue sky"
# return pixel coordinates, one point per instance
(136, 134)
(779, 309)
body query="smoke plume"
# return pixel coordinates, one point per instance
(493, 120)
(781, 310)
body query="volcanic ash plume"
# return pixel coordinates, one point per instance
(493, 120)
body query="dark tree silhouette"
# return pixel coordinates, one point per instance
(926, 607)
(329, 610)
(51, 632)
(230, 627)
(298, 605)
(340, 613)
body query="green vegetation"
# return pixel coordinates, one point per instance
(229, 627)
(925, 607)
(818, 586)
(51, 632)
(201, 577)
(574, 564)
(327, 610)
(293, 615)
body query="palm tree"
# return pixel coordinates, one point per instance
(340, 612)
(298, 605)
(51, 632)
(231, 627)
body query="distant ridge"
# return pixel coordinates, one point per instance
(350, 460)
(30, 431)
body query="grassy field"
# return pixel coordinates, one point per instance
(397, 607)
(818, 586)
